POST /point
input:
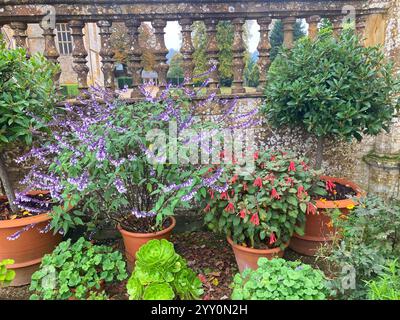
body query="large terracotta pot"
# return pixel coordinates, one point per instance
(28, 250)
(133, 241)
(248, 257)
(318, 230)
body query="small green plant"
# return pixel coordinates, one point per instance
(387, 285)
(77, 271)
(278, 279)
(6, 275)
(161, 274)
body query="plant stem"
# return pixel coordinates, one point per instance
(6, 182)
(319, 153)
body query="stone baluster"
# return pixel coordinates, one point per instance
(288, 27)
(337, 26)
(360, 26)
(212, 51)
(313, 26)
(20, 35)
(238, 56)
(161, 52)
(263, 48)
(106, 53)
(79, 53)
(50, 50)
(135, 56)
(187, 51)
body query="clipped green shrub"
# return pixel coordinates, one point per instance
(162, 274)
(77, 271)
(278, 279)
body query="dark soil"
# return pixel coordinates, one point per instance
(341, 192)
(40, 202)
(143, 225)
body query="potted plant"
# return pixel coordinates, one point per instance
(336, 90)
(125, 164)
(77, 271)
(279, 279)
(259, 211)
(27, 90)
(162, 274)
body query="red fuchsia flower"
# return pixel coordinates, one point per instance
(232, 193)
(292, 166)
(272, 238)
(270, 178)
(245, 188)
(289, 181)
(273, 158)
(304, 165)
(255, 219)
(211, 193)
(283, 153)
(300, 192)
(243, 213)
(256, 155)
(234, 179)
(230, 207)
(202, 278)
(207, 208)
(275, 194)
(224, 196)
(258, 182)
(330, 186)
(222, 154)
(311, 209)
(210, 170)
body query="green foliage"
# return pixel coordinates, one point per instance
(267, 206)
(368, 239)
(175, 67)
(332, 87)
(161, 274)
(77, 271)
(26, 89)
(70, 90)
(278, 279)
(387, 285)
(6, 275)
(251, 72)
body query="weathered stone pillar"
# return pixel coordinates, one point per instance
(161, 52)
(79, 53)
(238, 56)
(135, 56)
(360, 26)
(288, 27)
(187, 51)
(212, 53)
(313, 26)
(50, 49)
(337, 25)
(263, 48)
(106, 53)
(20, 35)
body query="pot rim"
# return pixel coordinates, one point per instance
(340, 204)
(6, 224)
(252, 250)
(147, 235)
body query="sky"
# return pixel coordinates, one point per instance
(174, 40)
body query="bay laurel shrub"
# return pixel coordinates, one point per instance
(278, 279)
(266, 206)
(161, 274)
(332, 88)
(369, 240)
(77, 270)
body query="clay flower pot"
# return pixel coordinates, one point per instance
(133, 241)
(28, 250)
(319, 230)
(248, 257)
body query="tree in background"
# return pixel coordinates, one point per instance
(175, 72)
(251, 72)
(276, 37)
(200, 45)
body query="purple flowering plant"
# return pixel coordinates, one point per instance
(111, 161)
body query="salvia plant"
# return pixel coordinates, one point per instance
(78, 271)
(264, 208)
(131, 164)
(161, 274)
(278, 279)
(6, 275)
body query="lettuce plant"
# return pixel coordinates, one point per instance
(6, 275)
(278, 279)
(162, 274)
(77, 271)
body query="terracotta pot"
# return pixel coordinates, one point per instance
(28, 250)
(248, 257)
(318, 229)
(133, 241)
